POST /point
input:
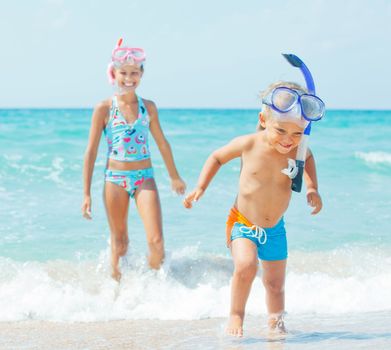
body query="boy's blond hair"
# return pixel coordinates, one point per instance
(265, 108)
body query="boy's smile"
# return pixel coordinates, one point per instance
(283, 136)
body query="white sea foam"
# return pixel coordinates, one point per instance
(57, 169)
(375, 157)
(190, 286)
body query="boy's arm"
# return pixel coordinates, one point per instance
(310, 178)
(219, 157)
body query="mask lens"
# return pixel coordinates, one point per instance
(284, 99)
(137, 54)
(312, 107)
(120, 54)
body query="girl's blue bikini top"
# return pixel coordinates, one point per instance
(127, 142)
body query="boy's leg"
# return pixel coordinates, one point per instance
(274, 281)
(244, 254)
(116, 201)
(148, 205)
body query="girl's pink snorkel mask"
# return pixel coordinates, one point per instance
(124, 55)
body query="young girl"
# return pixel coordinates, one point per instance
(255, 226)
(126, 120)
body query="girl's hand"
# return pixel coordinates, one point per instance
(193, 197)
(314, 200)
(86, 208)
(178, 186)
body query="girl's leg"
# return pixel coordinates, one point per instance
(244, 254)
(274, 281)
(148, 205)
(116, 201)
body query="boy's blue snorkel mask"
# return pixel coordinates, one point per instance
(312, 109)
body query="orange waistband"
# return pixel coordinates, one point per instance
(235, 216)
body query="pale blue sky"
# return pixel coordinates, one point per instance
(202, 53)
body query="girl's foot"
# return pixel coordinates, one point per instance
(116, 274)
(276, 323)
(235, 326)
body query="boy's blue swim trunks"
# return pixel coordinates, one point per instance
(271, 242)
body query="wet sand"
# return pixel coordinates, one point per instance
(343, 332)
(138, 334)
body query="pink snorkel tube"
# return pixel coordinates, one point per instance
(124, 55)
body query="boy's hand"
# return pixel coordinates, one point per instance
(193, 197)
(314, 200)
(178, 186)
(86, 208)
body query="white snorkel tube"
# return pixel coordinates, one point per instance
(295, 168)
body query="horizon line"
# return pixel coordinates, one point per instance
(193, 108)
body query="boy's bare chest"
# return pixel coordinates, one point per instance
(259, 167)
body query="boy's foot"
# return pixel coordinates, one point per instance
(235, 326)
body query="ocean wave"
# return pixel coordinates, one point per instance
(375, 157)
(191, 285)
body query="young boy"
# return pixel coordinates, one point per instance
(255, 226)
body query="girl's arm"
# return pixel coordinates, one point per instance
(219, 157)
(97, 125)
(310, 178)
(177, 184)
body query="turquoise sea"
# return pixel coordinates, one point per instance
(54, 265)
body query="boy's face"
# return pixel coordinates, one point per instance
(283, 136)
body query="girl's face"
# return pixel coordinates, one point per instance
(128, 77)
(283, 136)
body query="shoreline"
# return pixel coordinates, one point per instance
(305, 331)
(120, 334)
